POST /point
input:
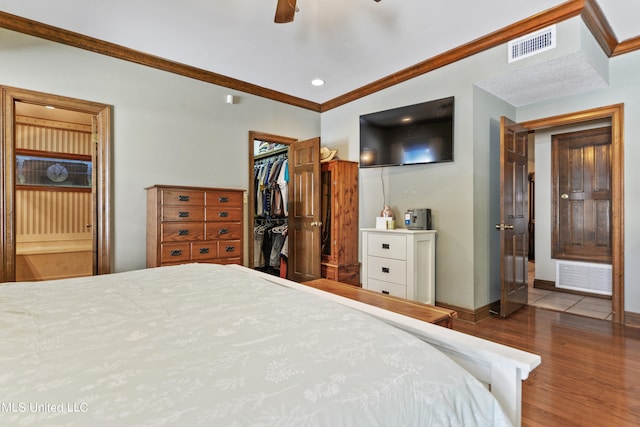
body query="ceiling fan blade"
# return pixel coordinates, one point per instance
(285, 11)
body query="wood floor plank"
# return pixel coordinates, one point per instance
(590, 371)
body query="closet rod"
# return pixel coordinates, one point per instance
(271, 153)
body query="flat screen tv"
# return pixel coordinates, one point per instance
(415, 134)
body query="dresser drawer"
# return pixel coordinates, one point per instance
(387, 269)
(222, 230)
(182, 197)
(204, 250)
(182, 231)
(387, 288)
(183, 213)
(229, 248)
(175, 253)
(223, 213)
(387, 245)
(224, 198)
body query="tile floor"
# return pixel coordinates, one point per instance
(598, 308)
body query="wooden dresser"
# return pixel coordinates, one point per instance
(194, 224)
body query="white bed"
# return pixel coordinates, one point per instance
(204, 344)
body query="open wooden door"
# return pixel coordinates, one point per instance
(304, 211)
(514, 219)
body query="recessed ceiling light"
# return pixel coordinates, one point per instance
(317, 82)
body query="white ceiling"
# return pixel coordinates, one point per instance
(347, 43)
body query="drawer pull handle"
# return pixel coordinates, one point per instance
(223, 199)
(183, 214)
(224, 231)
(385, 246)
(229, 249)
(183, 232)
(204, 250)
(385, 269)
(385, 292)
(223, 214)
(176, 252)
(183, 198)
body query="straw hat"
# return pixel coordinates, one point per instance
(326, 154)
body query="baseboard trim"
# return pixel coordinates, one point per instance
(632, 319)
(470, 315)
(548, 285)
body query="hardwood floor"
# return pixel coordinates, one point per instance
(590, 371)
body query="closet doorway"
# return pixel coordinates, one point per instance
(264, 149)
(302, 216)
(55, 187)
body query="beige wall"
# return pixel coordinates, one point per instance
(462, 194)
(167, 129)
(172, 130)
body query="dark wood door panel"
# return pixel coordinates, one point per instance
(581, 162)
(514, 217)
(305, 211)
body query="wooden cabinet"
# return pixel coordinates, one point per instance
(339, 183)
(400, 263)
(193, 224)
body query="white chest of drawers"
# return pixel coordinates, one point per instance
(400, 263)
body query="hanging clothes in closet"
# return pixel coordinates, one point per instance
(271, 180)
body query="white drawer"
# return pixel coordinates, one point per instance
(387, 245)
(387, 288)
(387, 270)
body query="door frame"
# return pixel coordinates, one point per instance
(616, 114)
(253, 135)
(101, 174)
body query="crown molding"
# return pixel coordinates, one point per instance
(594, 18)
(589, 10)
(555, 15)
(70, 38)
(597, 23)
(627, 46)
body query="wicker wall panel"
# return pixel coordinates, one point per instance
(44, 138)
(52, 212)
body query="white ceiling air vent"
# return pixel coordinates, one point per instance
(532, 44)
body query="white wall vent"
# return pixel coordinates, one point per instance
(583, 276)
(532, 44)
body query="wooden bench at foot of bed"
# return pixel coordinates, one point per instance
(427, 313)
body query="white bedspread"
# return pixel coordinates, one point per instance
(201, 344)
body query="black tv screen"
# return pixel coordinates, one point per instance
(415, 134)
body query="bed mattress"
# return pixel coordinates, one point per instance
(204, 344)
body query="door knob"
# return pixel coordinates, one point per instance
(316, 223)
(504, 227)
(564, 196)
